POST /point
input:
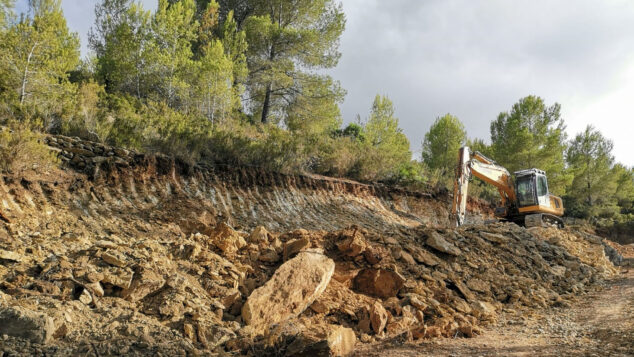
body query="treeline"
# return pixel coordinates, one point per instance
(532, 135)
(229, 81)
(242, 82)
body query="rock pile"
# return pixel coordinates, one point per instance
(300, 292)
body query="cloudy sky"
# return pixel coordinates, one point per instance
(474, 59)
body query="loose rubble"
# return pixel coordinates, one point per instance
(324, 291)
(80, 274)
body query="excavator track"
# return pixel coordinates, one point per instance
(543, 220)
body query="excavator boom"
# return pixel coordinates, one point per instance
(485, 169)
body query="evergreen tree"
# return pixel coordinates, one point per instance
(386, 147)
(590, 159)
(287, 40)
(37, 55)
(532, 135)
(5, 12)
(121, 41)
(174, 29)
(624, 192)
(441, 144)
(234, 42)
(214, 84)
(109, 15)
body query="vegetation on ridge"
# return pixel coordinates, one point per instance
(242, 82)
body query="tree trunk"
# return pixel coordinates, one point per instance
(26, 73)
(267, 104)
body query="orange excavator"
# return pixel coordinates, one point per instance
(525, 198)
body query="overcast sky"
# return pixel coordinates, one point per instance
(474, 59)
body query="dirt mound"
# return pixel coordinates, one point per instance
(172, 294)
(141, 255)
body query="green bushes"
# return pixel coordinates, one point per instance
(22, 150)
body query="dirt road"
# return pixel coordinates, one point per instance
(600, 323)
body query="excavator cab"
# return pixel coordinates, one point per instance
(534, 203)
(531, 187)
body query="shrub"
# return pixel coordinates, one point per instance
(22, 150)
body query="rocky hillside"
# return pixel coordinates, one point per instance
(122, 253)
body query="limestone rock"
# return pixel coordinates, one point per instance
(114, 257)
(22, 323)
(106, 244)
(9, 255)
(353, 243)
(227, 239)
(295, 246)
(189, 332)
(145, 282)
(422, 256)
(483, 310)
(118, 277)
(328, 340)
(494, 237)
(294, 286)
(439, 243)
(269, 255)
(85, 297)
(378, 317)
(468, 294)
(259, 235)
(95, 288)
(478, 285)
(407, 258)
(378, 282)
(416, 301)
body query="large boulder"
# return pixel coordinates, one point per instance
(294, 286)
(22, 323)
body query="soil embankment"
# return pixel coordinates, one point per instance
(123, 253)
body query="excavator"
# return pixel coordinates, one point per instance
(525, 199)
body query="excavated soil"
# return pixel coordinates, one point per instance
(138, 255)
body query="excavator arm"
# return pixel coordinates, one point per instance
(485, 169)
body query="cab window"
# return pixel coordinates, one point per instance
(542, 186)
(526, 191)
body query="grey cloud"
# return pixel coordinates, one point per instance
(475, 59)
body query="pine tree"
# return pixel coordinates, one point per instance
(441, 144)
(287, 40)
(214, 84)
(590, 159)
(37, 55)
(5, 12)
(174, 29)
(532, 135)
(121, 40)
(386, 148)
